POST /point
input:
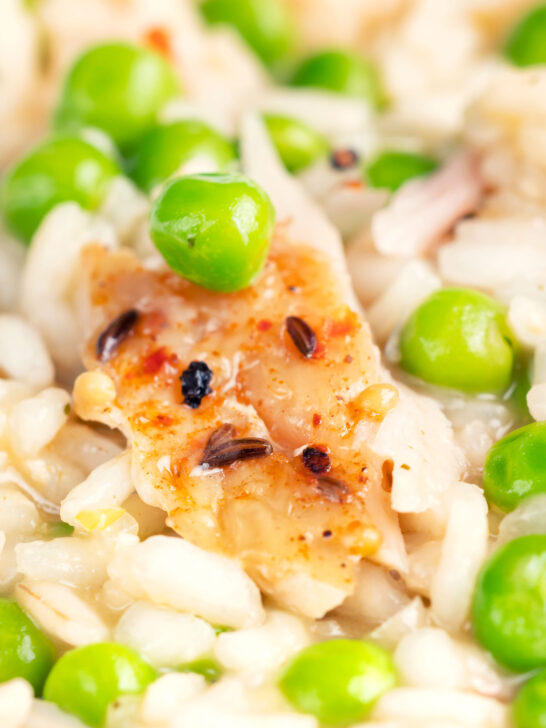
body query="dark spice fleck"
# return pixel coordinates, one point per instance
(327, 534)
(230, 451)
(316, 460)
(302, 335)
(220, 434)
(332, 489)
(196, 383)
(115, 333)
(343, 158)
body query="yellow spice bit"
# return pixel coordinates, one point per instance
(100, 519)
(364, 540)
(93, 393)
(375, 401)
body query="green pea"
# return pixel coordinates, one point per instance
(24, 650)
(338, 681)
(119, 88)
(391, 169)
(86, 680)
(213, 229)
(459, 338)
(298, 144)
(264, 24)
(526, 45)
(163, 150)
(529, 707)
(343, 72)
(509, 604)
(206, 666)
(58, 170)
(515, 467)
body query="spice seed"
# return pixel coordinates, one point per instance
(303, 336)
(231, 451)
(115, 333)
(222, 433)
(332, 489)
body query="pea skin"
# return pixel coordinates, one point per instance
(529, 707)
(87, 679)
(338, 681)
(298, 144)
(508, 608)
(24, 650)
(213, 229)
(391, 169)
(515, 467)
(64, 168)
(341, 72)
(162, 151)
(265, 25)
(526, 46)
(459, 338)
(119, 88)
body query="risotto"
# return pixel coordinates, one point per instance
(272, 364)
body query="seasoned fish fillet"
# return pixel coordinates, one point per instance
(248, 413)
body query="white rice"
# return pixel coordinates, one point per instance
(122, 575)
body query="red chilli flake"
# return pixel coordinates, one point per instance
(317, 420)
(303, 336)
(115, 333)
(340, 328)
(152, 363)
(158, 39)
(353, 184)
(264, 325)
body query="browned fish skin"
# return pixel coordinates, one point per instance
(271, 511)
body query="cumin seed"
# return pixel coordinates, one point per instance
(116, 332)
(231, 451)
(303, 336)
